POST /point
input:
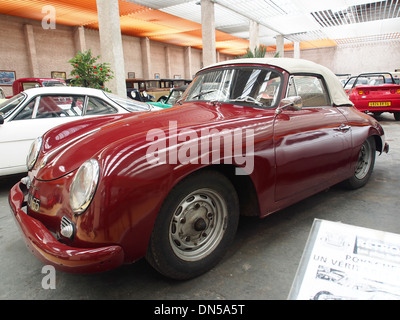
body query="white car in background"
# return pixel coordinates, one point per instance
(31, 113)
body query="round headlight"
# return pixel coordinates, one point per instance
(33, 153)
(84, 186)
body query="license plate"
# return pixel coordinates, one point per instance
(33, 203)
(380, 104)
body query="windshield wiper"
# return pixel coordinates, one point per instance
(247, 99)
(203, 93)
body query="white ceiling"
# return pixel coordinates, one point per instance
(345, 21)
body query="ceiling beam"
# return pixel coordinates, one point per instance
(248, 17)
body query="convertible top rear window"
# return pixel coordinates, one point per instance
(238, 84)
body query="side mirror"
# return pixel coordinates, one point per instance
(294, 103)
(1, 119)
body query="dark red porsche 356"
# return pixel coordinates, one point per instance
(249, 137)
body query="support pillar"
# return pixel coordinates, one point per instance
(79, 39)
(280, 48)
(188, 63)
(254, 35)
(218, 56)
(146, 58)
(111, 43)
(168, 62)
(208, 32)
(31, 46)
(296, 53)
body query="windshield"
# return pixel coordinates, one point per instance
(128, 104)
(349, 83)
(53, 84)
(8, 106)
(242, 85)
(371, 79)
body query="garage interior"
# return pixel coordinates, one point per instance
(347, 36)
(175, 39)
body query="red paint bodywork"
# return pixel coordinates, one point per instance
(296, 154)
(50, 251)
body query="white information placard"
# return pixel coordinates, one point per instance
(345, 262)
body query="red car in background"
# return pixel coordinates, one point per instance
(23, 84)
(376, 93)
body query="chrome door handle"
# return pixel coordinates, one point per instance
(343, 128)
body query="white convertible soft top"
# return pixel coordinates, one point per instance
(292, 66)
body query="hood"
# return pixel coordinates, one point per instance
(59, 154)
(67, 146)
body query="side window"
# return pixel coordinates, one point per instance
(29, 85)
(60, 106)
(26, 112)
(97, 106)
(292, 88)
(311, 89)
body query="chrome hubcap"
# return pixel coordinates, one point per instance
(364, 161)
(198, 225)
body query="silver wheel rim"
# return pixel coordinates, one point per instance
(198, 225)
(364, 161)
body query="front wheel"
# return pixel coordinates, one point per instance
(195, 226)
(364, 166)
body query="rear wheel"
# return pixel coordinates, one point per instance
(195, 226)
(397, 116)
(365, 165)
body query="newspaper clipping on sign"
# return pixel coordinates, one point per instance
(344, 262)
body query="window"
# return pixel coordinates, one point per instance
(8, 106)
(60, 106)
(310, 88)
(97, 106)
(26, 112)
(53, 84)
(29, 85)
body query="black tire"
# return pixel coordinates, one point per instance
(195, 226)
(397, 116)
(364, 166)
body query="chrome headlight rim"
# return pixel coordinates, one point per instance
(33, 153)
(84, 185)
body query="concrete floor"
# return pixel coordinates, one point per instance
(261, 264)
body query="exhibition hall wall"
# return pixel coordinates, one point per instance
(54, 47)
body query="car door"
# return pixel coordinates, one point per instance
(38, 115)
(312, 145)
